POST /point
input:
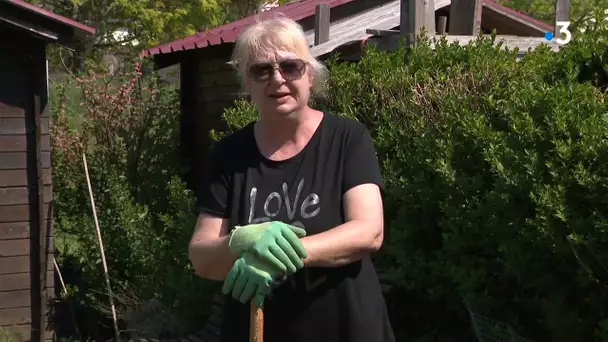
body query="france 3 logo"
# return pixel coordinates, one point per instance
(565, 36)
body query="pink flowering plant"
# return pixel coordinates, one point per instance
(127, 124)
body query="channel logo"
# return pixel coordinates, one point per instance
(564, 30)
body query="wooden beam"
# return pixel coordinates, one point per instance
(465, 17)
(523, 44)
(412, 18)
(429, 13)
(404, 18)
(562, 13)
(321, 23)
(442, 25)
(50, 36)
(382, 33)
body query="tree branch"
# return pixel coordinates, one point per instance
(112, 44)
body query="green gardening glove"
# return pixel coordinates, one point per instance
(275, 243)
(249, 277)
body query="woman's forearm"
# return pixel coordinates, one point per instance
(211, 258)
(343, 244)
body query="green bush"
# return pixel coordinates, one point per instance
(128, 126)
(496, 171)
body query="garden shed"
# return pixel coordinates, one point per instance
(26, 246)
(208, 84)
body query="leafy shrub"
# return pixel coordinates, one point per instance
(496, 173)
(127, 125)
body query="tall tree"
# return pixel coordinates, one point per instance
(134, 24)
(236, 9)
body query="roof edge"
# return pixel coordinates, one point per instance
(53, 16)
(540, 25)
(219, 31)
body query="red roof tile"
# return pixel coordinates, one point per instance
(51, 15)
(229, 32)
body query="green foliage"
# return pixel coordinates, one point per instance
(238, 116)
(139, 23)
(5, 336)
(128, 128)
(236, 9)
(125, 27)
(496, 180)
(580, 10)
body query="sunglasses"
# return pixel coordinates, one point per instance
(290, 69)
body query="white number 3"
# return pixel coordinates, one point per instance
(564, 25)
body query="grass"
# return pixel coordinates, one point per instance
(73, 98)
(5, 336)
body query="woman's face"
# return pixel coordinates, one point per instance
(279, 83)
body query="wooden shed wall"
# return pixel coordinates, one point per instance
(208, 86)
(26, 266)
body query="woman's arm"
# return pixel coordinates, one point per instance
(362, 233)
(208, 250)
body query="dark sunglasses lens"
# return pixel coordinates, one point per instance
(292, 68)
(261, 71)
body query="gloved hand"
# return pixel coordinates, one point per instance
(275, 243)
(249, 277)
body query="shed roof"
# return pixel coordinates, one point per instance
(353, 29)
(518, 16)
(50, 15)
(227, 33)
(383, 17)
(387, 17)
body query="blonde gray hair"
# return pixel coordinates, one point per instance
(277, 34)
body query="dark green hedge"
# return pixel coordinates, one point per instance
(497, 178)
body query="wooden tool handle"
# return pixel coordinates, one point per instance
(256, 324)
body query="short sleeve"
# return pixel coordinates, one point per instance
(360, 161)
(212, 196)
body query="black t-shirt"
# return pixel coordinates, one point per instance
(340, 304)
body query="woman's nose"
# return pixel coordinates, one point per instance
(277, 76)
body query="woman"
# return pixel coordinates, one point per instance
(295, 198)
